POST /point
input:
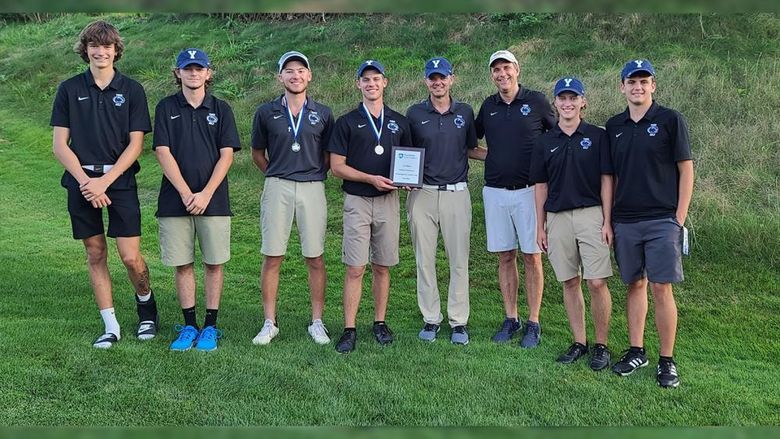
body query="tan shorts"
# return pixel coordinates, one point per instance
(281, 201)
(177, 239)
(574, 239)
(371, 224)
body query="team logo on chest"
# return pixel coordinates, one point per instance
(652, 130)
(211, 119)
(586, 143)
(392, 126)
(118, 100)
(314, 118)
(525, 110)
(459, 121)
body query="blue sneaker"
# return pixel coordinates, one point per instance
(509, 328)
(533, 335)
(207, 340)
(185, 340)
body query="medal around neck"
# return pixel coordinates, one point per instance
(379, 150)
(296, 147)
(295, 126)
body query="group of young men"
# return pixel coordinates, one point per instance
(552, 184)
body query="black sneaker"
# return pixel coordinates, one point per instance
(346, 343)
(509, 328)
(148, 320)
(576, 350)
(666, 374)
(383, 334)
(600, 358)
(630, 361)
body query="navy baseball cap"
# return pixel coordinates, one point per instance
(438, 65)
(636, 65)
(293, 56)
(192, 56)
(571, 84)
(370, 64)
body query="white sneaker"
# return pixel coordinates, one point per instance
(318, 332)
(266, 334)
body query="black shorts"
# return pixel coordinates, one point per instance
(651, 248)
(124, 212)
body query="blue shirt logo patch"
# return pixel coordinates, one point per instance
(211, 118)
(118, 100)
(652, 130)
(586, 143)
(459, 121)
(525, 110)
(314, 118)
(392, 126)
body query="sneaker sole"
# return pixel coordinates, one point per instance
(206, 350)
(625, 374)
(596, 369)
(321, 342)
(459, 343)
(264, 341)
(670, 386)
(146, 337)
(180, 349)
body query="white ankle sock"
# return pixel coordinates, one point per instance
(110, 322)
(145, 298)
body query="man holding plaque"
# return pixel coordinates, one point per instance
(445, 128)
(510, 121)
(289, 135)
(361, 148)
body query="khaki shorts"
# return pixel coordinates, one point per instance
(177, 239)
(371, 224)
(283, 200)
(574, 239)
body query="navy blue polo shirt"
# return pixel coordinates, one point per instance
(271, 130)
(100, 121)
(195, 137)
(446, 139)
(510, 131)
(354, 139)
(571, 166)
(644, 156)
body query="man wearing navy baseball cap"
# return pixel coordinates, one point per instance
(360, 154)
(652, 160)
(195, 137)
(510, 121)
(572, 172)
(289, 137)
(445, 128)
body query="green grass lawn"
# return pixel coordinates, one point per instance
(721, 74)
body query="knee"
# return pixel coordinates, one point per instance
(316, 264)
(532, 259)
(380, 270)
(507, 257)
(571, 284)
(272, 262)
(184, 269)
(133, 261)
(97, 255)
(211, 269)
(597, 285)
(662, 293)
(355, 273)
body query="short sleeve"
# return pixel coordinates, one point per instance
(161, 135)
(680, 139)
(538, 173)
(139, 111)
(60, 115)
(228, 133)
(339, 139)
(259, 136)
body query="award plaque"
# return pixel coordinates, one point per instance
(406, 166)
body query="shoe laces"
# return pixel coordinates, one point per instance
(267, 326)
(383, 329)
(533, 329)
(429, 327)
(507, 325)
(210, 333)
(599, 349)
(628, 354)
(186, 331)
(318, 328)
(667, 368)
(459, 329)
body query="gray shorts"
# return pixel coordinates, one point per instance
(650, 248)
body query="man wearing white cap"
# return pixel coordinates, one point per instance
(510, 121)
(289, 135)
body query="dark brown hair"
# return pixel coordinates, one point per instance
(208, 81)
(102, 33)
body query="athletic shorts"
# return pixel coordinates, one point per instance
(371, 225)
(281, 201)
(574, 240)
(124, 212)
(651, 248)
(177, 239)
(510, 218)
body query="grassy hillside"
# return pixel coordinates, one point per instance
(720, 71)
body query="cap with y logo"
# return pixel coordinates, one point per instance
(571, 84)
(438, 65)
(636, 65)
(370, 64)
(192, 56)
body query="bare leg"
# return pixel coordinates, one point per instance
(130, 252)
(353, 287)
(97, 262)
(317, 282)
(575, 308)
(534, 284)
(269, 284)
(214, 278)
(185, 285)
(636, 311)
(380, 286)
(600, 308)
(665, 317)
(508, 281)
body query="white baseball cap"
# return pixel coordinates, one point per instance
(502, 54)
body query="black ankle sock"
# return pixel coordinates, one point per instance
(211, 317)
(639, 349)
(146, 310)
(379, 322)
(350, 330)
(662, 358)
(189, 317)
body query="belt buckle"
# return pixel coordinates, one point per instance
(443, 187)
(97, 168)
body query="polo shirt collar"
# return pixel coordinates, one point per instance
(431, 109)
(116, 81)
(208, 100)
(281, 100)
(522, 92)
(650, 114)
(558, 132)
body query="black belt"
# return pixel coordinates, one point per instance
(509, 187)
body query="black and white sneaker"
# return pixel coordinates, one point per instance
(631, 360)
(146, 330)
(600, 358)
(666, 374)
(105, 341)
(147, 318)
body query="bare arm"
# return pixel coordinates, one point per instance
(478, 153)
(173, 173)
(606, 208)
(338, 164)
(540, 197)
(685, 189)
(71, 164)
(200, 200)
(260, 159)
(97, 186)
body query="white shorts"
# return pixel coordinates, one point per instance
(510, 218)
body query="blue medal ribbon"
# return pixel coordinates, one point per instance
(377, 132)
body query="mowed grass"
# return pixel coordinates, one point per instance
(719, 77)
